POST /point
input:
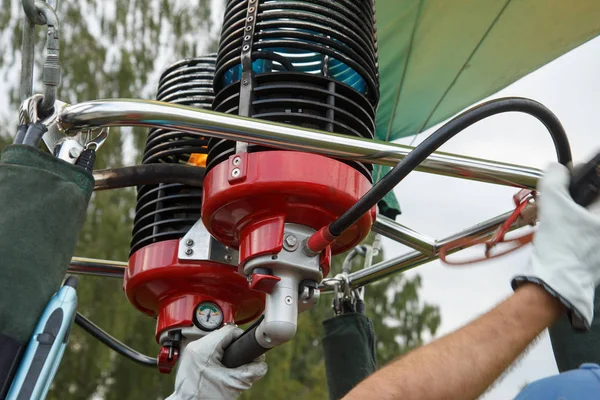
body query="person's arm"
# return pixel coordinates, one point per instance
(465, 363)
(561, 276)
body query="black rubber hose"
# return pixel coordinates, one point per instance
(244, 349)
(441, 136)
(113, 343)
(147, 174)
(34, 134)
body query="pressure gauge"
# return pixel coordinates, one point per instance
(208, 316)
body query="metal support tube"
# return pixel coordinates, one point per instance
(116, 269)
(129, 112)
(105, 268)
(400, 233)
(147, 174)
(416, 258)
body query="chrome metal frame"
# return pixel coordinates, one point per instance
(154, 114)
(128, 112)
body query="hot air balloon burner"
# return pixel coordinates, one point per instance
(307, 63)
(177, 272)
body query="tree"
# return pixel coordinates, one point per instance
(118, 49)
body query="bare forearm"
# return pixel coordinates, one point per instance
(463, 364)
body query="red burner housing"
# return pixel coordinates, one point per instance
(159, 285)
(248, 199)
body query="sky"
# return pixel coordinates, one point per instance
(440, 206)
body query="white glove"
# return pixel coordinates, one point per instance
(202, 376)
(566, 254)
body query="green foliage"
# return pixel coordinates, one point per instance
(118, 48)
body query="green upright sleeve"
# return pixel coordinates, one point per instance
(571, 348)
(349, 350)
(43, 201)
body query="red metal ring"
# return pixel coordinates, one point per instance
(248, 199)
(159, 285)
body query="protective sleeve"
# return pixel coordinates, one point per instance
(43, 202)
(349, 350)
(572, 348)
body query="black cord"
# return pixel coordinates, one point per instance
(20, 136)
(113, 343)
(441, 136)
(34, 134)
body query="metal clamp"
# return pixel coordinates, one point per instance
(198, 244)
(67, 148)
(247, 81)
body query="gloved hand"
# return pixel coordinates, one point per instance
(566, 254)
(202, 376)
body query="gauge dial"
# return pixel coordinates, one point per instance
(208, 316)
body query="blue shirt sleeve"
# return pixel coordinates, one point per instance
(578, 384)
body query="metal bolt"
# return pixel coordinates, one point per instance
(246, 48)
(290, 242)
(251, 9)
(288, 300)
(237, 161)
(189, 252)
(273, 257)
(250, 18)
(235, 172)
(245, 82)
(189, 243)
(247, 37)
(228, 258)
(74, 152)
(249, 28)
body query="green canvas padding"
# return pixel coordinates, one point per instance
(349, 351)
(571, 348)
(43, 201)
(437, 57)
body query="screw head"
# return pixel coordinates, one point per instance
(288, 300)
(237, 161)
(245, 82)
(189, 252)
(290, 242)
(74, 152)
(189, 243)
(228, 258)
(235, 172)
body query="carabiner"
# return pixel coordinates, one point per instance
(51, 69)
